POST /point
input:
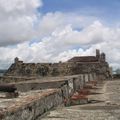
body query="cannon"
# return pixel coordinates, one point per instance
(9, 89)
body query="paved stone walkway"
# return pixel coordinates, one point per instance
(105, 105)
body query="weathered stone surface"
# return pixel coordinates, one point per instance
(105, 105)
(30, 105)
(78, 73)
(78, 65)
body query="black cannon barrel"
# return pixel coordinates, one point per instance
(7, 88)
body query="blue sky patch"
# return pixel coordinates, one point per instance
(105, 9)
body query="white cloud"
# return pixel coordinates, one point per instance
(17, 18)
(62, 44)
(58, 20)
(19, 5)
(21, 21)
(59, 36)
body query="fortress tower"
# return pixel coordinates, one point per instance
(97, 54)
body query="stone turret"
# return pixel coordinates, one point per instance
(102, 57)
(98, 54)
(16, 60)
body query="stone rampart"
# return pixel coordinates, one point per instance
(30, 106)
(77, 65)
(35, 98)
(68, 84)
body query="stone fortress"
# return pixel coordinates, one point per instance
(76, 65)
(29, 90)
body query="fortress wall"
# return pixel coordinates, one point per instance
(23, 87)
(58, 69)
(76, 65)
(32, 105)
(9, 79)
(68, 85)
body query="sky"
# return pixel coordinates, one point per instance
(57, 30)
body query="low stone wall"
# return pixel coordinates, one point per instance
(32, 106)
(37, 85)
(68, 85)
(16, 79)
(9, 79)
(36, 104)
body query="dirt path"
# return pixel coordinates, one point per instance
(105, 105)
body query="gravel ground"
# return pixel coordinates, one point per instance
(104, 105)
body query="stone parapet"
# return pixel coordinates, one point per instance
(30, 105)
